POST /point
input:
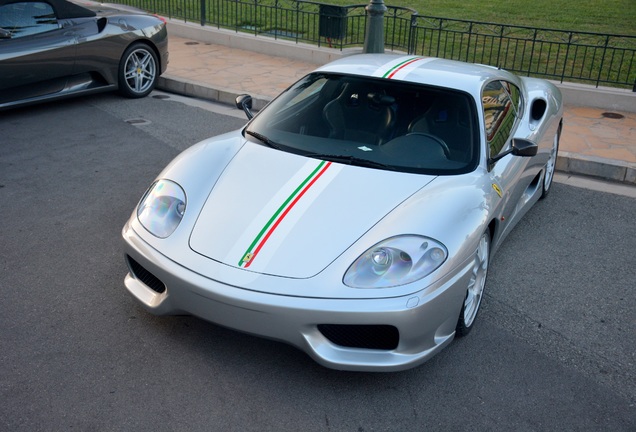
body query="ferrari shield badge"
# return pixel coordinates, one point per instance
(497, 189)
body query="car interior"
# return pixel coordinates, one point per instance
(392, 122)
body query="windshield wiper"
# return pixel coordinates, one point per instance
(351, 160)
(263, 139)
(344, 159)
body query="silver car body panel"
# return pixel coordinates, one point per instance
(233, 184)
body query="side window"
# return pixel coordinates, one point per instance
(502, 103)
(515, 96)
(27, 18)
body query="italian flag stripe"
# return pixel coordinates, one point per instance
(280, 214)
(395, 69)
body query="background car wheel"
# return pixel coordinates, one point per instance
(550, 167)
(475, 290)
(137, 71)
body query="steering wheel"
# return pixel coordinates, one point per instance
(435, 139)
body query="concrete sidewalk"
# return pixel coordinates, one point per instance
(598, 139)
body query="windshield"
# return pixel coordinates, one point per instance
(378, 123)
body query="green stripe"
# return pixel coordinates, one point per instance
(280, 209)
(397, 66)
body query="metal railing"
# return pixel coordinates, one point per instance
(599, 59)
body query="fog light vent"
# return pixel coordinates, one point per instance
(140, 273)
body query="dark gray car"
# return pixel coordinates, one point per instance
(51, 49)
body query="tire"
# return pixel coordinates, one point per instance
(138, 71)
(550, 167)
(475, 290)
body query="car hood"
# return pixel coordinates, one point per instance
(282, 214)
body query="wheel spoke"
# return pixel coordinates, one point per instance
(551, 165)
(477, 281)
(145, 62)
(139, 82)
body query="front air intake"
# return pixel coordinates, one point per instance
(382, 337)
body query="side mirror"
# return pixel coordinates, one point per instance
(524, 148)
(244, 102)
(520, 147)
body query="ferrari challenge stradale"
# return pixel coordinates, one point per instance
(355, 216)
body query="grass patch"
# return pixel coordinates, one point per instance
(607, 16)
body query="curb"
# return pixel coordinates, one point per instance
(186, 87)
(606, 169)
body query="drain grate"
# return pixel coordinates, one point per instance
(138, 121)
(613, 115)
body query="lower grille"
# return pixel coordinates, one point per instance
(383, 337)
(145, 276)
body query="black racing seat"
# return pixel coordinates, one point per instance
(361, 116)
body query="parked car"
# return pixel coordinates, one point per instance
(51, 49)
(355, 216)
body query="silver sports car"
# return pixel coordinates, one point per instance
(356, 215)
(51, 49)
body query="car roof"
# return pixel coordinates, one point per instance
(63, 9)
(468, 77)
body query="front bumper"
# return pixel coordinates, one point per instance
(424, 322)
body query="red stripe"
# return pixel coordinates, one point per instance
(282, 216)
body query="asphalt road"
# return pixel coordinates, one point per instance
(554, 348)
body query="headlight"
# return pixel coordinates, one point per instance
(396, 261)
(162, 208)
